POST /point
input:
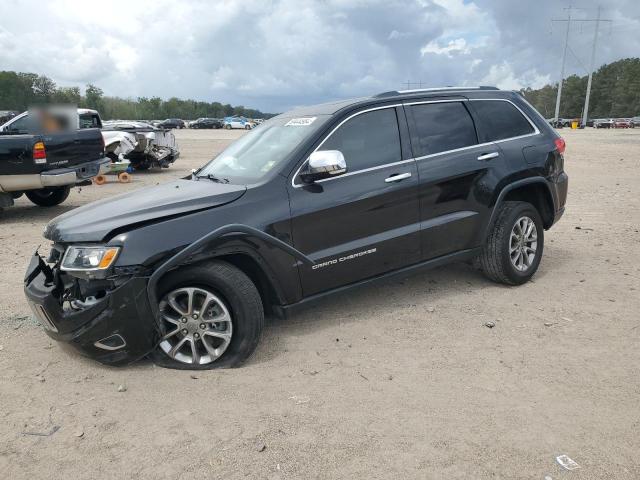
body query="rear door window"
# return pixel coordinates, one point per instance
(367, 140)
(19, 126)
(499, 120)
(439, 127)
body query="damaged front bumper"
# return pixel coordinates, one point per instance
(116, 329)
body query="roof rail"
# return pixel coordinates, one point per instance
(393, 93)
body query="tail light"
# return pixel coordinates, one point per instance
(560, 144)
(39, 153)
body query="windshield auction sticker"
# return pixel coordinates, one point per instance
(300, 122)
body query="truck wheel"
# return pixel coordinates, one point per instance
(514, 247)
(49, 197)
(213, 317)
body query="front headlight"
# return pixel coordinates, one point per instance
(88, 259)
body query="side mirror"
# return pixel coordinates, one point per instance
(323, 164)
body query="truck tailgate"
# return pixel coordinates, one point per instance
(70, 148)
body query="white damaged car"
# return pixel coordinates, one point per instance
(142, 144)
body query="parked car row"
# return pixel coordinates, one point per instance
(597, 122)
(616, 122)
(231, 122)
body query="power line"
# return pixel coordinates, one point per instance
(568, 20)
(409, 84)
(577, 59)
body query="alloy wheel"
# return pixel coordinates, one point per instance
(199, 325)
(523, 243)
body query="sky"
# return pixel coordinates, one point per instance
(274, 55)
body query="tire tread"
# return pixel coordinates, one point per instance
(239, 292)
(491, 259)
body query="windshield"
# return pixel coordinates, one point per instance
(258, 152)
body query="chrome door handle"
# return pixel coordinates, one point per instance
(488, 156)
(397, 178)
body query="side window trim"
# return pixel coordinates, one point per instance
(405, 136)
(334, 129)
(536, 131)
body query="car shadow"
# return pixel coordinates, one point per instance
(438, 284)
(443, 284)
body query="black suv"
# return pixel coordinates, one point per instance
(206, 123)
(171, 123)
(315, 200)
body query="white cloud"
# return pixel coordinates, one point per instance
(457, 46)
(503, 76)
(273, 55)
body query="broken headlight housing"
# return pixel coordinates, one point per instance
(88, 258)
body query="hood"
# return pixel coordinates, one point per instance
(94, 221)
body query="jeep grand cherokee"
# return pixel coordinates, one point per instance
(315, 200)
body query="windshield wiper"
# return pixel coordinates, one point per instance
(213, 178)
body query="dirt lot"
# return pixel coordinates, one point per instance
(398, 381)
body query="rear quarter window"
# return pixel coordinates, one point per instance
(499, 120)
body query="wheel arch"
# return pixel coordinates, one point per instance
(533, 190)
(259, 273)
(240, 254)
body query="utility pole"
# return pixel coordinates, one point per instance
(585, 113)
(597, 21)
(564, 60)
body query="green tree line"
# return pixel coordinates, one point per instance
(615, 92)
(18, 91)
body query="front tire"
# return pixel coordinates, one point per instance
(213, 317)
(49, 197)
(515, 244)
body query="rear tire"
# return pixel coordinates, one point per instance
(515, 244)
(49, 197)
(234, 292)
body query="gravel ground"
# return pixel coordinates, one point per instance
(403, 380)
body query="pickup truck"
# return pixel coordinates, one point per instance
(44, 166)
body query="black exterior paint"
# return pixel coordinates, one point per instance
(440, 213)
